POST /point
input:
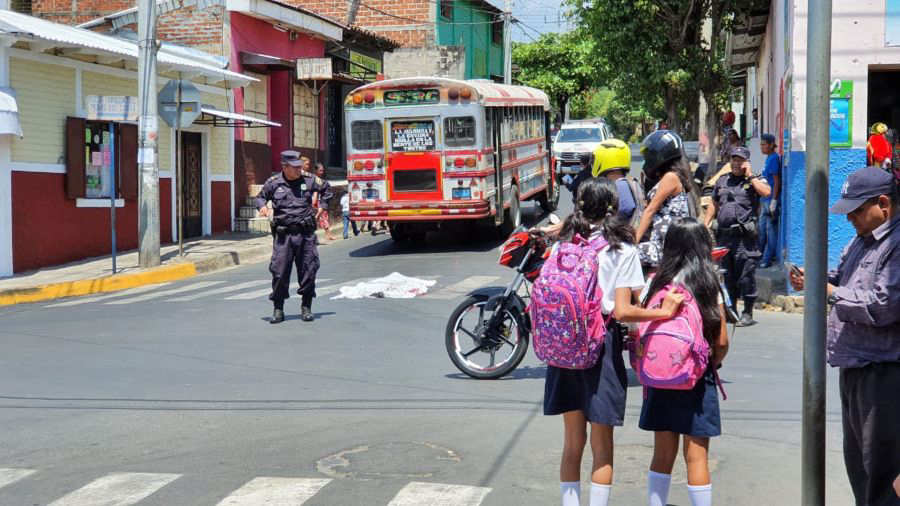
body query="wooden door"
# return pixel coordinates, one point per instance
(192, 168)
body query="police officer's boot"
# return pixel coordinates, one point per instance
(306, 309)
(278, 313)
(747, 316)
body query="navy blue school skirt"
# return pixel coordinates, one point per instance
(598, 392)
(692, 412)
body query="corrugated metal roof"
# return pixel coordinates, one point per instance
(23, 27)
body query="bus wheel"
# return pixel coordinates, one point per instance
(549, 200)
(513, 219)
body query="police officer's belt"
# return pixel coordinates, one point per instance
(739, 229)
(306, 226)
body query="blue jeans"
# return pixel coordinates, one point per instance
(347, 223)
(768, 235)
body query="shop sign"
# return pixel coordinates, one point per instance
(111, 108)
(412, 136)
(840, 124)
(314, 69)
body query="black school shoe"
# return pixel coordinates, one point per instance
(277, 316)
(306, 314)
(746, 321)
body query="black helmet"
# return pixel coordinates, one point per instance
(660, 147)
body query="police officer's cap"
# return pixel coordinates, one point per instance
(741, 151)
(861, 186)
(291, 158)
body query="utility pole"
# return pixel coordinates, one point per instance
(507, 49)
(818, 72)
(148, 129)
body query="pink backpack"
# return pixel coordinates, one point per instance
(671, 354)
(565, 308)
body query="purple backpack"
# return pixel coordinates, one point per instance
(671, 354)
(565, 306)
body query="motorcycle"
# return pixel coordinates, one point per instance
(492, 323)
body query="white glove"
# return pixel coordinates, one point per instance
(773, 206)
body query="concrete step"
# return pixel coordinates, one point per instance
(257, 225)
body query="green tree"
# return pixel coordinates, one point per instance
(562, 65)
(658, 53)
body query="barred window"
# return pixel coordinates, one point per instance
(459, 131)
(367, 135)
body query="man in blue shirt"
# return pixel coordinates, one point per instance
(768, 214)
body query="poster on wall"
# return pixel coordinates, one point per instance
(840, 122)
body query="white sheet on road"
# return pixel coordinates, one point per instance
(392, 286)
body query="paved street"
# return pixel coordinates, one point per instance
(183, 394)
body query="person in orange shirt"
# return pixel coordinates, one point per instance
(878, 148)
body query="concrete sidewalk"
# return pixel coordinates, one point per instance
(94, 275)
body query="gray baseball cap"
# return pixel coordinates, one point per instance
(861, 186)
(741, 151)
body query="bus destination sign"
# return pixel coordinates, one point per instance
(411, 97)
(414, 136)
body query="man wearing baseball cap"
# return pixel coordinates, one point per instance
(735, 205)
(768, 214)
(864, 333)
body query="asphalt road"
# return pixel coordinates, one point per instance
(184, 395)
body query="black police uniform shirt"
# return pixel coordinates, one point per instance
(291, 200)
(737, 200)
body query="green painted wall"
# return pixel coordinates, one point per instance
(471, 27)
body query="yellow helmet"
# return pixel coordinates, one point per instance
(611, 154)
(879, 128)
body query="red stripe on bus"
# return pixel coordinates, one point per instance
(526, 142)
(364, 156)
(523, 161)
(475, 173)
(367, 177)
(463, 152)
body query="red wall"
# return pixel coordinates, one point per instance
(257, 36)
(49, 230)
(220, 192)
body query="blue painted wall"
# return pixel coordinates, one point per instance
(842, 163)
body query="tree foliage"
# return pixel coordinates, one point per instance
(657, 51)
(562, 65)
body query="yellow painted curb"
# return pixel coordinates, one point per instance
(97, 285)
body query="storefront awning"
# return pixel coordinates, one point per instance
(9, 113)
(217, 118)
(263, 63)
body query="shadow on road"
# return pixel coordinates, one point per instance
(525, 372)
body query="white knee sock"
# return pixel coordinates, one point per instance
(658, 488)
(571, 493)
(701, 495)
(600, 494)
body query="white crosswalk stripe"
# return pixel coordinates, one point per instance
(463, 287)
(123, 293)
(163, 293)
(275, 492)
(12, 475)
(217, 291)
(117, 489)
(438, 494)
(320, 290)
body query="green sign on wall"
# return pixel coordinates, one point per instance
(840, 122)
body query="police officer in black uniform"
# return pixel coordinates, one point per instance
(294, 195)
(736, 202)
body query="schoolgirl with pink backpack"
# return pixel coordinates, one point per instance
(676, 360)
(589, 283)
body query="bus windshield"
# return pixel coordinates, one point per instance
(580, 135)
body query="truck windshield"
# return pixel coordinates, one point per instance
(580, 135)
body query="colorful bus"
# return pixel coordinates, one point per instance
(425, 151)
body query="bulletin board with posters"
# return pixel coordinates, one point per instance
(840, 114)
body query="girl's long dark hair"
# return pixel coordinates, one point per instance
(688, 250)
(682, 168)
(597, 205)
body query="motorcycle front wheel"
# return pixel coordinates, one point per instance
(481, 352)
